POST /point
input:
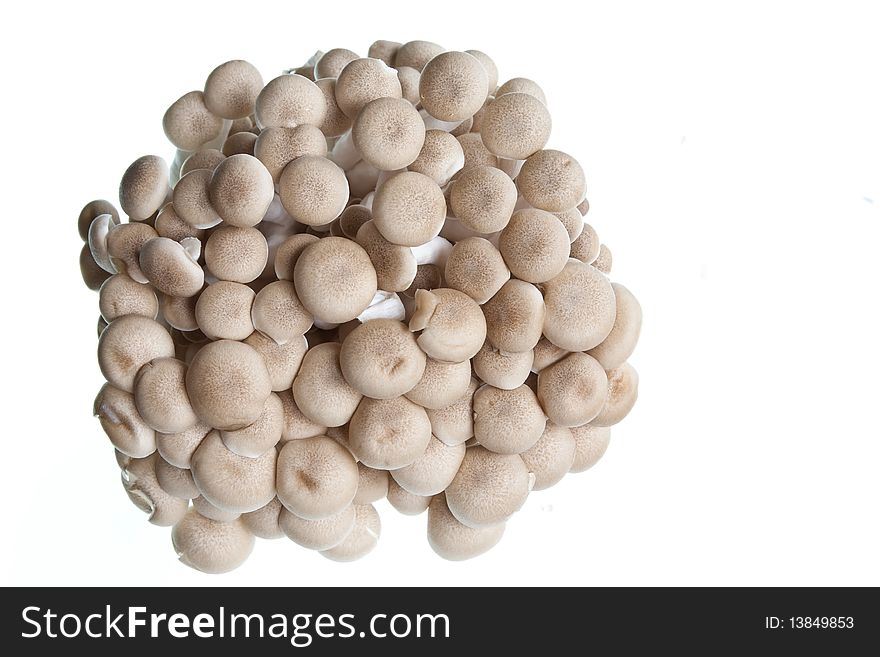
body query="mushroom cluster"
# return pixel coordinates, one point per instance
(366, 278)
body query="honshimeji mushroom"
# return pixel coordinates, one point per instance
(366, 278)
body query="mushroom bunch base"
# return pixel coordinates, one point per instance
(366, 278)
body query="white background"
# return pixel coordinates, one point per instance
(733, 159)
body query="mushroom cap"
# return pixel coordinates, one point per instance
(207, 158)
(297, 425)
(179, 312)
(409, 83)
(389, 133)
(278, 313)
(384, 50)
(522, 85)
(441, 384)
(317, 477)
(122, 423)
(580, 307)
(405, 502)
(331, 63)
(395, 265)
(282, 360)
(288, 101)
(288, 253)
(160, 396)
(586, 247)
(381, 359)
(170, 268)
(335, 279)
(321, 534)
(489, 67)
(590, 445)
(453, 86)
(361, 539)
(177, 482)
(265, 521)
(573, 390)
(552, 180)
(452, 325)
(416, 54)
(232, 482)
(169, 224)
(205, 508)
(277, 147)
(515, 126)
(192, 199)
(623, 391)
(92, 273)
(475, 152)
(211, 546)
(236, 254)
(372, 484)
(335, 121)
(433, 471)
(228, 384)
(143, 489)
(545, 354)
(188, 123)
(515, 317)
(507, 421)
(91, 210)
(551, 457)
(127, 344)
(501, 369)
(313, 190)
(232, 88)
(240, 143)
(489, 487)
(363, 80)
(441, 157)
(454, 424)
(454, 541)
(223, 311)
(241, 190)
(388, 433)
(409, 209)
(621, 342)
(535, 245)
(320, 389)
(120, 295)
(603, 260)
(427, 277)
(483, 198)
(143, 187)
(178, 448)
(476, 268)
(260, 436)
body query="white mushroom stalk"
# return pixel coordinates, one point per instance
(436, 252)
(385, 305)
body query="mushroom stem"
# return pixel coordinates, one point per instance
(436, 252)
(436, 124)
(385, 305)
(344, 153)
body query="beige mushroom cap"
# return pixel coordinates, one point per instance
(586, 247)
(475, 152)
(552, 180)
(381, 359)
(120, 420)
(179, 312)
(223, 311)
(335, 279)
(352, 218)
(313, 190)
(320, 389)
(483, 198)
(489, 67)
(454, 541)
(621, 342)
(143, 187)
(545, 354)
(384, 50)
(507, 421)
(362, 81)
(361, 539)
(502, 369)
(282, 360)
(331, 63)
(239, 143)
(205, 508)
(416, 54)
(321, 534)
(91, 210)
(210, 546)
(515, 126)
(623, 391)
(177, 482)
(232, 482)
(452, 325)
(405, 502)
(433, 471)
(573, 390)
(265, 521)
(288, 101)
(488, 489)
(170, 267)
(236, 254)
(317, 477)
(169, 224)
(160, 396)
(515, 317)
(241, 190)
(409, 84)
(441, 157)
(453, 86)
(476, 268)
(372, 484)
(178, 448)
(120, 295)
(522, 85)
(441, 384)
(143, 489)
(590, 445)
(454, 424)
(189, 124)
(603, 260)
(288, 253)
(580, 307)
(395, 265)
(409, 209)
(232, 88)
(388, 433)
(278, 313)
(92, 273)
(206, 158)
(228, 384)
(127, 344)
(277, 147)
(335, 121)
(535, 245)
(262, 435)
(551, 457)
(389, 133)
(192, 199)
(296, 425)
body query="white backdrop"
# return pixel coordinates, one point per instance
(733, 162)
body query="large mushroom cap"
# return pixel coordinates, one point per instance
(211, 546)
(381, 359)
(488, 489)
(455, 541)
(127, 344)
(580, 307)
(317, 477)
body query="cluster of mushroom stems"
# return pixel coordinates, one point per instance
(367, 278)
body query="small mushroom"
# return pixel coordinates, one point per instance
(475, 153)
(551, 457)
(228, 384)
(476, 268)
(502, 369)
(189, 124)
(389, 133)
(489, 67)
(277, 147)
(124, 244)
(90, 211)
(223, 311)
(232, 88)
(573, 390)
(210, 546)
(320, 534)
(175, 481)
(122, 423)
(515, 317)
(454, 541)
(621, 342)
(128, 343)
(296, 425)
(452, 325)
(552, 180)
(160, 396)
(483, 198)
(440, 158)
(409, 209)
(178, 448)
(236, 254)
(586, 247)
(98, 241)
(205, 508)
(372, 485)
(241, 190)
(240, 143)
(522, 85)
(433, 471)
(441, 384)
(143, 489)
(335, 122)
(590, 444)
(265, 522)
(170, 267)
(143, 187)
(580, 307)
(332, 62)
(603, 260)
(623, 390)
(515, 125)
(488, 489)
(232, 482)
(179, 312)
(361, 539)
(535, 245)
(454, 424)
(545, 354)
(507, 421)
(381, 359)
(282, 360)
(416, 54)
(395, 265)
(120, 295)
(169, 224)
(384, 50)
(317, 477)
(260, 436)
(289, 101)
(409, 84)
(288, 253)
(363, 80)
(453, 86)
(206, 158)
(320, 389)
(278, 313)
(93, 274)
(388, 433)
(313, 190)
(192, 199)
